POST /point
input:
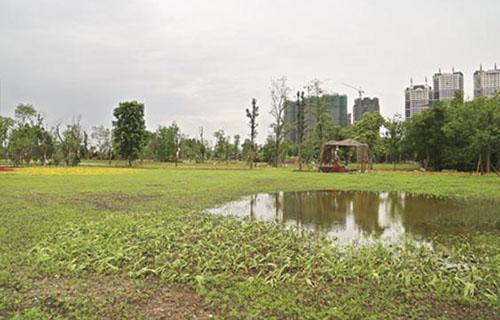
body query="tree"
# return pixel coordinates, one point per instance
(486, 138)
(301, 127)
(85, 150)
(129, 129)
(71, 142)
(252, 115)
(222, 147)
(48, 145)
(393, 138)
(27, 136)
(279, 94)
(26, 113)
(268, 150)
(473, 133)
(192, 149)
(203, 146)
(5, 126)
(322, 120)
(166, 145)
(236, 147)
(246, 150)
(103, 142)
(425, 140)
(367, 130)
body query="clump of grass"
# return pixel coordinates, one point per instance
(215, 253)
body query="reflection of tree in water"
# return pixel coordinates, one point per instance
(366, 207)
(351, 214)
(324, 210)
(321, 210)
(253, 203)
(316, 209)
(425, 216)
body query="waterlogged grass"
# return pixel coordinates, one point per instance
(105, 246)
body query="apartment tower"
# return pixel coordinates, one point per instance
(486, 83)
(417, 98)
(447, 84)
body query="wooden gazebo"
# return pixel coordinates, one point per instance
(329, 159)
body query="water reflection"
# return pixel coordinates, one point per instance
(353, 215)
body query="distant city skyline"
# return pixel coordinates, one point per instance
(200, 63)
(446, 84)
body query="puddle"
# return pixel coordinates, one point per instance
(361, 217)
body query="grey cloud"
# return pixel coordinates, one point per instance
(200, 62)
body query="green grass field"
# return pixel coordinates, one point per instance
(90, 244)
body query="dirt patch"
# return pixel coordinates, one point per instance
(112, 201)
(440, 308)
(456, 310)
(175, 303)
(111, 298)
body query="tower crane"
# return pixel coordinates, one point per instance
(359, 90)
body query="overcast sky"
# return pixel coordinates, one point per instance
(200, 62)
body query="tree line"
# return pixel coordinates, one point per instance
(459, 135)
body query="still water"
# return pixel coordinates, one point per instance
(360, 217)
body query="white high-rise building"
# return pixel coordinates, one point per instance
(417, 98)
(447, 84)
(486, 83)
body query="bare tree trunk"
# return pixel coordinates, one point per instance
(488, 161)
(300, 157)
(478, 163)
(251, 155)
(277, 151)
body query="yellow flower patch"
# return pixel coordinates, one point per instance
(73, 171)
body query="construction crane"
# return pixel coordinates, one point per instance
(359, 90)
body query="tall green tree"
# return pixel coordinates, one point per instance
(27, 136)
(129, 129)
(425, 140)
(485, 140)
(167, 143)
(222, 148)
(393, 138)
(367, 130)
(473, 133)
(252, 115)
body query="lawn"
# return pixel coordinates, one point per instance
(134, 243)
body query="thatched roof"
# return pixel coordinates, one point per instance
(345, 143)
